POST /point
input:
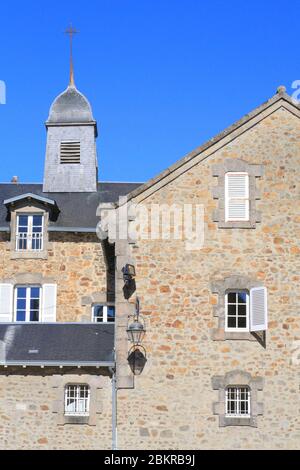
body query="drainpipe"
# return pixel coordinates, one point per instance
(114, 408)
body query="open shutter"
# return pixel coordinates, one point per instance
(6, 303)
(237, 196)
(258, 309)
(49, 303)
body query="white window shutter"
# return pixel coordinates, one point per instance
(258, 309)
(6, 303)
(49, 303)
(237, 196)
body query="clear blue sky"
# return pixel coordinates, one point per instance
(163, 76)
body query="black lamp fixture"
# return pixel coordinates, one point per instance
(128, 273)
(136, 330)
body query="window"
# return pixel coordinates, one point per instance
(29, 235)
(237, 310)
(238, 402)
(27, 303)
(236, 197)
(103, 314)
(77, 400)
(69, 152)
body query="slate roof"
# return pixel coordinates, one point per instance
(76, 209)
(57, 344)
(70, 106)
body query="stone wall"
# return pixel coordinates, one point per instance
(171, 406)
(75, 262)
(28, 396)
(28, 420)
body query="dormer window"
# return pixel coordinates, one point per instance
(70, 152)
(29, 233)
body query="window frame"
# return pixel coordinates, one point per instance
(29, 232)
(77, 400)
(228, 199)
(238, 400)
(237, 329)
(27, 303)
(105, 312)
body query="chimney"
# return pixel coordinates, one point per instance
(15, 180)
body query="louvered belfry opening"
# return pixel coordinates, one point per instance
(70, 152)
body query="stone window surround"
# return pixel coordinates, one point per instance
(237, 378)
(220, 287)
(95, 383)
(88, 301)
(236, 165)
(34, 208)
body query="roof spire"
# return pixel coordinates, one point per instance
(71, 31)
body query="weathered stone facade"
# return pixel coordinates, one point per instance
(29, 414)
(177, 401)
(171, 405)
(75, 262)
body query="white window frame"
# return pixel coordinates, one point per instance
(27, 306)
(246, 198)
(238, 400)
(79, 401)
(29, 234)
(105, 313)
(236, 291)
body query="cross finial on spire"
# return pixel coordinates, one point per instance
(71, 31)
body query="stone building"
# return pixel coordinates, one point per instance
(220, 302)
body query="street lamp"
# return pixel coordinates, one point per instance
(136, 330)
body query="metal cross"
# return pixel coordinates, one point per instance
(71, 31)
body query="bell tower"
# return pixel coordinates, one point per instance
(71, 156)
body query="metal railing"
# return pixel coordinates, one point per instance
(29, 241)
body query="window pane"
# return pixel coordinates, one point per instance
(242, 310)
(21, 292)
(98, 313)
(37, 220)
(21, 315)
(231, 310)
(34, 315)
(110, 314)
(34, 304)
(35, 292)
(231, 322)
(242, 322)
(23, 229)
(23, 220)
(21, 304)
(242, 297)
(232, 297)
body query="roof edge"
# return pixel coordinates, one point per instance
(280, 95)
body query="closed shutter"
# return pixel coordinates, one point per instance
(237, 196)
(258, 309)
(49, 303)
(6, 303)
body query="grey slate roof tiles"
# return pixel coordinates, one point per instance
(76, 209)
